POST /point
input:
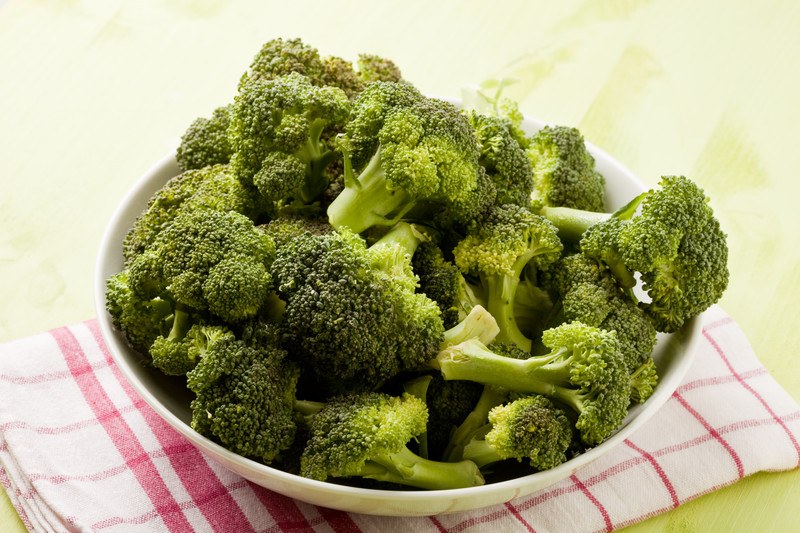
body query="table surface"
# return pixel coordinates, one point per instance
(92, 92)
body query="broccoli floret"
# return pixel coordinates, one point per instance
(208, 260)
(205, 142)
(245, 394)
(643, 381)
(529, 428)
(367, 436)
(563, 171)
(351, 311)
(141, 320)
(372, 68)
(280, 57)
(510, 240)
(413, 153)
(284, 229)
(669, 236)
(505, 161)
(276, 134)
(584, 370)
(588, 293)
(213, 187)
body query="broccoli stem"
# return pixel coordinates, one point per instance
(308, 407)
(473, 361)
(478, 324)
(418, 387)
(317, 158)
(572, 223)
(502, 288)
(366, 200)
(407, 236)
(181, 323)
(407, 468)
(475, 423)
(481, 453)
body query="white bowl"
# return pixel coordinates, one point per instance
(673, 355)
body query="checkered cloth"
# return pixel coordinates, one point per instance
(79, 450)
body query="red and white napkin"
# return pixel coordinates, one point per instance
(80, 451)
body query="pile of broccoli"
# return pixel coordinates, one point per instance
(365, 285)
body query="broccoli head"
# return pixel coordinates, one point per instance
(669, 236)
(505, 161)
(416, 156)
(213, 187)
(366, 435)
(245, 393)
(529, 428)
(140, 320)
(352, 313)
(276, 134)
(372, 68)
(563, 171)
(205, 142)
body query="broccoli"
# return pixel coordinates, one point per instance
(207, 261)
(530, 427)
(448, 402)
(510, 240)
(284, 229)
(584, 371)
(563, 171)
(373, 68)
(281, 57)
(669, 236)
(351, 311)
(643, 381)
(245, 393)
(276, 134)
(205, 142)
(504, 159)
(141, 320)
(213, 187)
(367, 435)
(412, 153)
(588, 293)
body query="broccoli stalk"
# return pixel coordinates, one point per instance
(475, 422)
(584, 370)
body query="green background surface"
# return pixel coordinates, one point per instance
(94, 92)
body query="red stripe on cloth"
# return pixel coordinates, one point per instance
(518, 516)
(435, 521)
(121, 435)
(724, 321)
(282, 509)
(200, 481)
(338, 520)
(6, 482)
(595, 501)
(660, 471)
(751, 390)
(67, 428)
(720, 380)
(714, 433)
(51, 376)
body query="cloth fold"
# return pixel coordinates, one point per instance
(81, 451)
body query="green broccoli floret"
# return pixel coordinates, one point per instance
(413, 153)
(667, 235)
(584, 371)
(563, 171)
(367, 436)
(505, 161)
(245, 393)
(284, 229)
(210, 260)
(281, 57)
(141, 320)
(510, 240)
(213, 187)
(351, 311)
(589, 293)
(205, 142)
(372, 68)
(276, 133)
(529, 428)
(643, 381)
